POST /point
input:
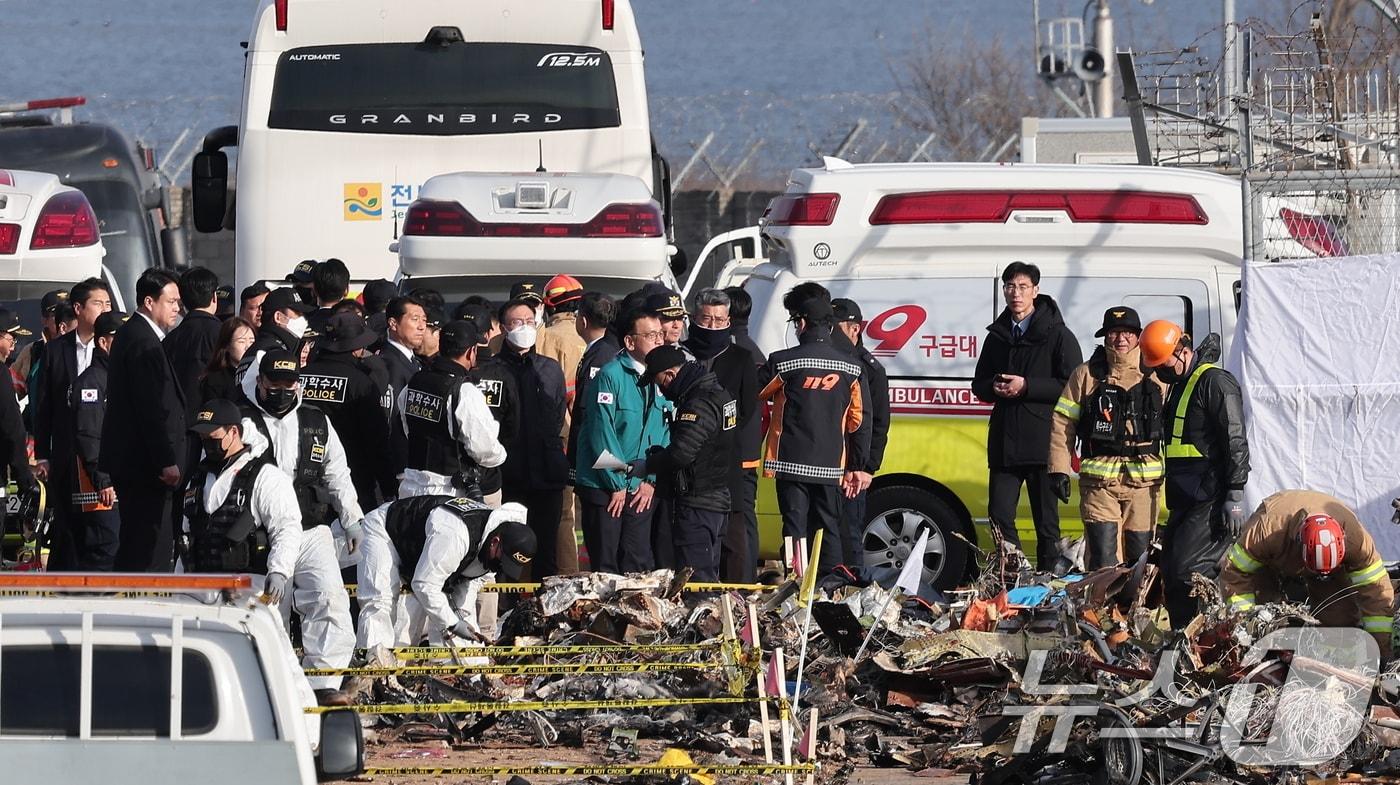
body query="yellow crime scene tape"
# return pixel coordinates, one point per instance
(431, 652)
(487, 707)
(529, 588)
(596, 769)
(530, 669)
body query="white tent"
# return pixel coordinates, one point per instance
(1317, 350)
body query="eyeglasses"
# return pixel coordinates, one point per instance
(712, 321)
(1013, 287)
(514, 323)
(654, 335)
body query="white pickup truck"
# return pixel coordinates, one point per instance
(121, 679)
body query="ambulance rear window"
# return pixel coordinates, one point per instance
(40, 691)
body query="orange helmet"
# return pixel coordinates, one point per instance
(1324, 543)
(561, 289)
(1159, 341)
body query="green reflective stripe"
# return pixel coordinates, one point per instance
(1241, 602)
(1176, 448)
(1241, 559)
(1376, 623)
(1099, 467)
(1147, 470)
(1068, 408)
(1370, 574)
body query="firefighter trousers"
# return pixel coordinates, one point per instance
(1119, 520)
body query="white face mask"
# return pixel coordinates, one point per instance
(522, 337)
(297, 326)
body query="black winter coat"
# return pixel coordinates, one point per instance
(89, 404)
(1214, 423)
(535, 456)
(696, 467)
(875, 398)
(737, 372)
(190, 346)
(1019, 432)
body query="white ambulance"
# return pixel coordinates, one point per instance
(921, 247)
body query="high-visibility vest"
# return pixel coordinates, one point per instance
(1176, 448)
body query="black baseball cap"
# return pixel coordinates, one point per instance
(52, 300)
(434, 317)
(518, 546)
(665, 304)
(303, 272)
(815, 309)
(279, 365)
(346, 332)
(457, 336)
(282, 299)
(378, 293)
(526, 291)
(108, 324)
(660, 359)
(9, 323)
(216, 414)
(1121, 317)
(846, 310)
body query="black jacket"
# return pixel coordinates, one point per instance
(741, 337)
(1214, 424)
(876, 389)
(270, 337)
(219, 384)
(190, 346)
(144, 430)
(817, 430)
(89, 403)
(696, 468)
(401, 369)
(53, 417)
(594, 358)
(335, 384)
(497, 385)
(1019, 432)
(735, 370)
(535, 457)
(14, 441)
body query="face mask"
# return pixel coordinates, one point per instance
(278, 401)
(1168, 374)
(708, 342)
(214, 453)
(297, 326)
(522, 337)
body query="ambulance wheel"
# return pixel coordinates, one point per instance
(895, 516)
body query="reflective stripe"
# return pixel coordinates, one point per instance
(1068, 408)
(1376, 623)
(1099, 467)
(1151, 469)
(1241, 602)
(1241, 559)
(1176, 448)
(1110, 467)
(1370, 574)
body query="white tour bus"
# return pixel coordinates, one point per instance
(349, 106)
(921, 248)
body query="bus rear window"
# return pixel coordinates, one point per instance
(456, 89)
(40, 691)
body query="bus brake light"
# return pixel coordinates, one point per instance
(428, 218)
(609, 14)
(280, 9)
(934, 207)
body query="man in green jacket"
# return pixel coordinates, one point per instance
(623, 417)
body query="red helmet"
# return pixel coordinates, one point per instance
(1324, 543)
(561, 289)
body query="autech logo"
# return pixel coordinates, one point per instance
(570, 60)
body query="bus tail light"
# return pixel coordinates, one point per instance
(280, 9)
(427, 218)
(609, 14)
(803, 210)
(67, 221)
(996, 206)
(9, 238)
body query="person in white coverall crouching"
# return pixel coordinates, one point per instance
(305, 446)
(441, 546)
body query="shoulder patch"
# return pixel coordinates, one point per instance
(592, 372)
(465, 504)
(88, 395)
(731, 415)
(688, 417)
(605, 398)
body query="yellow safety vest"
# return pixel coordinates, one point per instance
(1176, 448)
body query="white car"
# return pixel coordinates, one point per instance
(478, 233)
(49, 239)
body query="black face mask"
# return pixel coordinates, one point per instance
(278, 401)
(214, 455)
(707, 342)
(1168, 374)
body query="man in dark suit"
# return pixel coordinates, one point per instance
(406, 322)
(191, 344)
(143, 435)
(64, 358)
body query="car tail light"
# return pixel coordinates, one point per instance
(9, 238)
(1315, 233)
(997, 206)
(6, 178)
(428, 218)
(609, 14)
(67, 221)
(280, 9)
(803, 210)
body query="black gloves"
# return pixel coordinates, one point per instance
(1060, 484)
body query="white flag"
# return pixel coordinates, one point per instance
(912, 573)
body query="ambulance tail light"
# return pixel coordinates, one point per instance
(996, 206)
(609, 14)
(280, 9)
(115, 581)
(1313, 232)
(67, 221)
(428, 218)
(9, 238)
(803, 210)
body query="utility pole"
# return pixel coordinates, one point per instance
(1103, 41)
(1229, 52)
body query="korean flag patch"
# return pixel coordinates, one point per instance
(88, 395)
(605, 397)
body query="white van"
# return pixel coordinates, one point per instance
(349, 106)
(921, 247)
